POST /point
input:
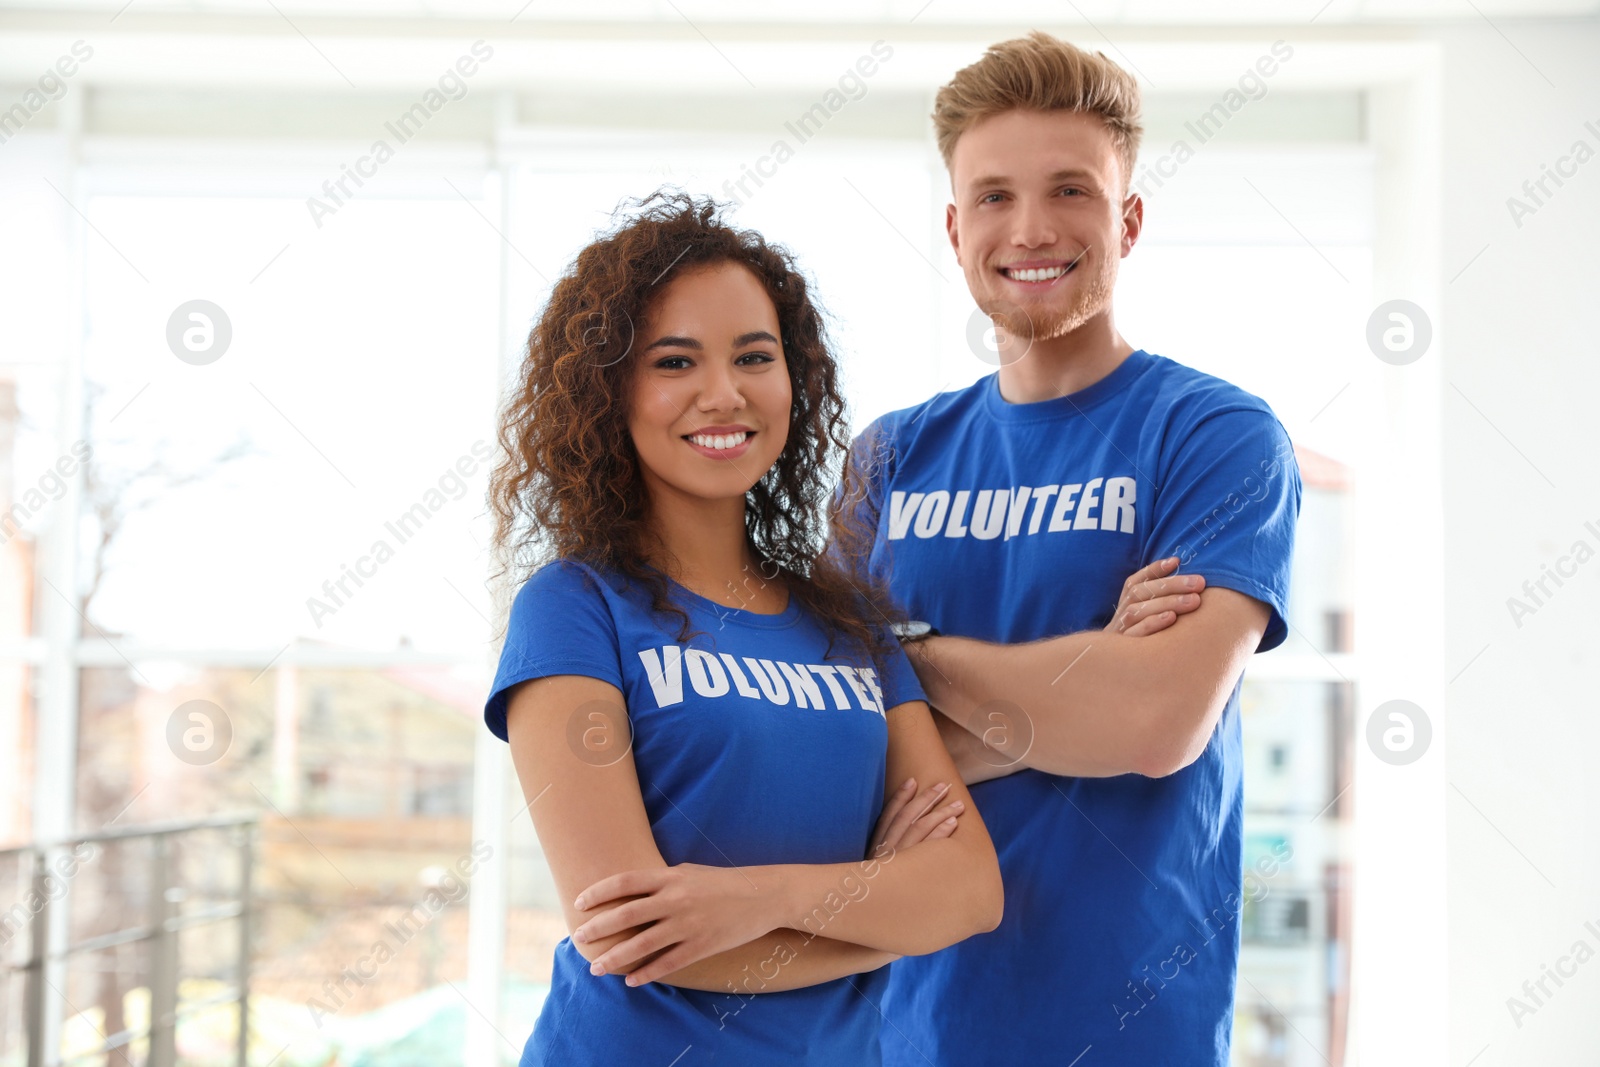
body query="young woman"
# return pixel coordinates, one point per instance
(720, 743)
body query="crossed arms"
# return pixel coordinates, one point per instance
(1140, 697)
(708, 928)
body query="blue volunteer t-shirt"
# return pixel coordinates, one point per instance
(752, 747)
(1014, 522)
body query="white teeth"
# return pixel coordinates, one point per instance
(719, 441)
(1043, 274)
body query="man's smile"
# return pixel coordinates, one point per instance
(1038, 272)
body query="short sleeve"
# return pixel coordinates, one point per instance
(860, 495)
(560, 624)
(900, 682)
(872, 453)
(1227, 507)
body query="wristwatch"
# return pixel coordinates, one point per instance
(914, 630)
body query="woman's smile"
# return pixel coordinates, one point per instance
(721, 442)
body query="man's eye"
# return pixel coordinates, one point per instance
(989, 198)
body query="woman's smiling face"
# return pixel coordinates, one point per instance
(709, 410)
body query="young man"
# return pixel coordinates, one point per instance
(1007, 515)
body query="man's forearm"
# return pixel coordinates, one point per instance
(1083, 704)
(977, 759)
(1096, 704)
(1090, 704)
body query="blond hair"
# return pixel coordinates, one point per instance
(1041, 73)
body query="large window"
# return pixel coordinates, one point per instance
(279, 549)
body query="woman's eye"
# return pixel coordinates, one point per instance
(760, 357)
(673, 362)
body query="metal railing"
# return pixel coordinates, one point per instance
(165, 921)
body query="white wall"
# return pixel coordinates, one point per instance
(1521, 377)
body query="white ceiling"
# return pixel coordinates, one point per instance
(852, 12)
(719, 46)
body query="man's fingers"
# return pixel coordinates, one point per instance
(1160, 568)
(1151, 616)
(1178, 604)
(1152, 625)
(1177, 583)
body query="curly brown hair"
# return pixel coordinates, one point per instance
(569, 485)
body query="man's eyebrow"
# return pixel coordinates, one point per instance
(1056, 176)
(1073, 172)
(989, 179)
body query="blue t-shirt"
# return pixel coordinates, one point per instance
(1014, 522)
(751, 748)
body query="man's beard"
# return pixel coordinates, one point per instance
(1047, 322)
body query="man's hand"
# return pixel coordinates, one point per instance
(1153, 598)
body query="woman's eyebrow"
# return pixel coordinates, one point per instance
(675, 342)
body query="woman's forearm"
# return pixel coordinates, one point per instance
(844, 918)
(908, 900)
(778, 961)
(885, 902)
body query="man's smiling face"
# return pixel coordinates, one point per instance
(1040, 220)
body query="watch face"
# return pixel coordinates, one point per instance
(914, 628)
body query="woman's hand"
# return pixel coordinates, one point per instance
(1153, 598)
(911, 817)
(689, 912)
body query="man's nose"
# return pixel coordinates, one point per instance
(1034, 227)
